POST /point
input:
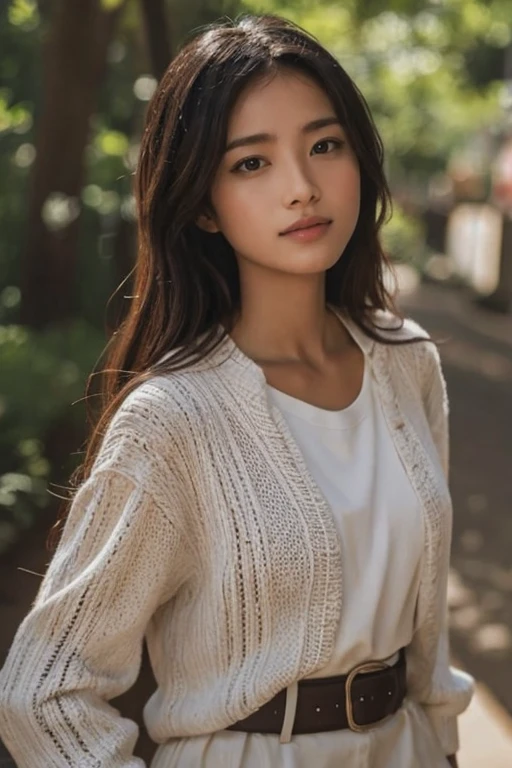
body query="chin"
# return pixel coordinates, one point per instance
(313, 262)
(307, 267)
(306, 259)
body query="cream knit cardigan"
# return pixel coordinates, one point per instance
(201, 529)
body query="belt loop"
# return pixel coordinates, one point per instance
(289, 713)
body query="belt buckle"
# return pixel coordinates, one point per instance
(366, 666)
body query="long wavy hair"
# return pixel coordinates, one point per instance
(185, 280)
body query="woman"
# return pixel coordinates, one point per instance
(264, 499)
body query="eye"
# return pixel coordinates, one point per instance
(322, 147)
(248, 165)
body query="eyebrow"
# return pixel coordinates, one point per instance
(260, 138)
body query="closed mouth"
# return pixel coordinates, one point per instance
(300, 228)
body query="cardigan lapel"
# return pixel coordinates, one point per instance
(421, 473)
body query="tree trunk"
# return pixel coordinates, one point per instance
(159, 49)
(158, 35)
(74, 58)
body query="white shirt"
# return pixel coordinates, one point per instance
(378, 516)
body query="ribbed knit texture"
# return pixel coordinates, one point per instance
(202, 529)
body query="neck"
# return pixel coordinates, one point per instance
(285, 319)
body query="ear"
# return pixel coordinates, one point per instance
(207, 222)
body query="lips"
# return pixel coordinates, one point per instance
(306, 223)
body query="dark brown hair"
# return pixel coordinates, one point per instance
(186, 280)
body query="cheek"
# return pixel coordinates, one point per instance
(355, 188)
(240, 207)
(347, 181)
(348, 194)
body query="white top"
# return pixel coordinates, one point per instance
(201, 529)
(377, 513)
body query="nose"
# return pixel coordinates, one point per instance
(300, 187)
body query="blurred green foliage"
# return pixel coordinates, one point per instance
(42, 376)
(410, 59)
(403, 238)
(430, 71)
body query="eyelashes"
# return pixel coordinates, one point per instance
(337, 144)
(242, 166)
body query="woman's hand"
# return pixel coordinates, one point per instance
(452, 759)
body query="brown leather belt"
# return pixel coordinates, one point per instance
(368, 695)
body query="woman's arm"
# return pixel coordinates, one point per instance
(119, 558)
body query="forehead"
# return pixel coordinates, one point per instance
(285, 98)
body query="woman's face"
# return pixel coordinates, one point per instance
(287, 158)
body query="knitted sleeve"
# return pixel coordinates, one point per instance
(451, 689)
(120, 557)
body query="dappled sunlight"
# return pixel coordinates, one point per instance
(475, 614)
